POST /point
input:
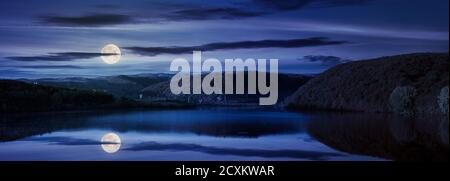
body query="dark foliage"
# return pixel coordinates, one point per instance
(16, 96)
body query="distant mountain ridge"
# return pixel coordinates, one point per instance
(154, 88)
(120, 86)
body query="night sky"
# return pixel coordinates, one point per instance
(44, 38)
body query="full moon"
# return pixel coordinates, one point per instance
(111, 143)
(111, 54)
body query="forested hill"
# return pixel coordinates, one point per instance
(17, 96)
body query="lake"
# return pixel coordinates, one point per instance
(221, 134)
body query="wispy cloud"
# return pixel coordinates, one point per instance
(88, 20)
(355, 30)
(50, 67)
(60, 140)
(65, 56)
(153, 51)
(292, 43)
(287, 5)
(99, 20)
(324, 60)
(210, 13)
(174, 12)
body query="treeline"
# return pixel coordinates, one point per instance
(16, 96)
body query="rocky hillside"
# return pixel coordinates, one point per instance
(414, 83)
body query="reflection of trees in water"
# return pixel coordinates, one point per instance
(231, 128)
(443, 129)
(13, 127)
(21, 126)
(382, 135)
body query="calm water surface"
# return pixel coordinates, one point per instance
(219, 134)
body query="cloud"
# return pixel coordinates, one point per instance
(283, 5)
(287, 5)
(325, 60)
(177, 14)
(6, 73)
(210, 13)
(173, 12)
(66, 56)
(153, 51)
(51, 67)
(337, 3)
(59, 140)
(292, 43)
(297, 154)
(88, 20)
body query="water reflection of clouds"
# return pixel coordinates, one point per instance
(180, 147)
(296, 154)
(217, 123)
(291, 137)
(110, 142)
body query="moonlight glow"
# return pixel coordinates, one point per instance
(111, 143)
(111, 53)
